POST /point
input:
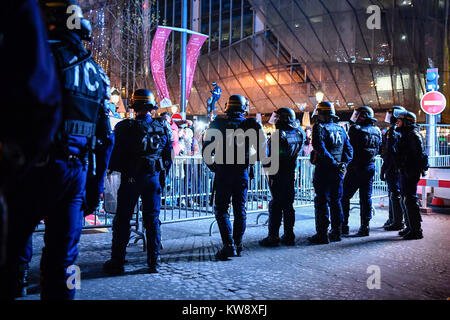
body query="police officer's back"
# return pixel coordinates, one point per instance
(31, 105)
(389, 171)
(282, 184)
(84, 131)
(231, 177)
(331, 155)
(412, 162)
(365, 139)
(142, 154)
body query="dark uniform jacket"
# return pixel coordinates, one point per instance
(290, 145)
(239, 145)
(410, 156)
(390, 141)
(366, 143)
(31, 100)
(331, 145)
(143, 146)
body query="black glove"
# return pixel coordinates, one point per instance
(251, 172)
(341, 167)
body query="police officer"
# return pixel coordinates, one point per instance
(33, 94)
(331, 155)
(282, 184)
(142, 151)
(365, 139)
(231, 177)
(84, 131)
(412, 162)
(389, 171)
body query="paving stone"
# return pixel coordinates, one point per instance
(416, 269)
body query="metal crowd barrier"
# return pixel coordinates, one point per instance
(186, 196)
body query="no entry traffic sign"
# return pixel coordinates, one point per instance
(433, 103)
(176, 117)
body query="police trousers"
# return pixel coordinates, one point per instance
(231, 184)
(396, 208)
(281, 206)
(53, 193)
(408, 191)
(148, 188)
(327, 183)
(359, 178)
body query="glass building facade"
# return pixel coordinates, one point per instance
(280, 52)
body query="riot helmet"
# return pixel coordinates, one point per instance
(407, 118)
(65, 17)
(143, 100)
(284, 117)
(392, 114)
(363, 115)
(324, 112)
(237, 104)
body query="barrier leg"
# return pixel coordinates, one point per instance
(424, 208)
(262, 214)
(211, 227)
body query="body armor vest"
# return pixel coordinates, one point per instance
(141, 146)
(410, 151)
(86, 87)
(334, 137)
(390, 142)
(366, 141)
(291, 142)
(238, 142)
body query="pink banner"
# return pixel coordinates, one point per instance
(157, 58)
(192, 52)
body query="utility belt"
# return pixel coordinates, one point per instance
(149, 166)
(60, 149)
(61, 154)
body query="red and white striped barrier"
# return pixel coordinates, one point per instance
(434, 183)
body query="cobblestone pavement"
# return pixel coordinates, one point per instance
(416, 269)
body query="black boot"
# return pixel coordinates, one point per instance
(394, 227)
(364, 229)
(270, 241)
(319, 238)
(153, 265)
(227, 251)
(387, 223)
(345, 230)
(334, 235)
(413, 235)
(239, 248)
(288, 239)
(114, 267)
(404, 232)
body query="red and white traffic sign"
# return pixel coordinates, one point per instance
(433, 102)
(176, 117)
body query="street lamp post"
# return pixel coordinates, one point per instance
(183, 59)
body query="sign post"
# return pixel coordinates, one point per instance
(432, 103)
